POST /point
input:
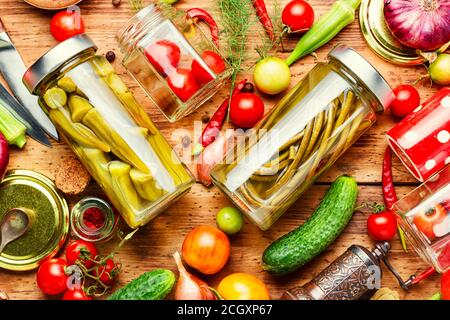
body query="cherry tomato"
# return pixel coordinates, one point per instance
(426, 221)
(164, 55)
(382, 226)
(81, 250)
(75, 294)
(445, 285)
(183, 83)
(229, 220)
(242, 286)
(66, 24)
(298, 16)
(108, 272)
(206, 249)
(407, 99)
(52, 277)
(213, 61)
(246, 110)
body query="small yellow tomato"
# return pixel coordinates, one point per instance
(272, 75)
(243, 286)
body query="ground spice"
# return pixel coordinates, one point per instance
(94, 218)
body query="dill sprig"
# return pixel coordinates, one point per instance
(136, 5)
(235, 19)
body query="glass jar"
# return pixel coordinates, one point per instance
(172, 60)
(425, 219)
(302, 136)
(108, 130)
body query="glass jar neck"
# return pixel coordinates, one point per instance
(138, 26)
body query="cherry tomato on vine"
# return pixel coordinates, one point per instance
(66, 24)
(298, 16)
(52, 277)
(445, 285)
(183, 83)
(382, 226)
(81, 250)
(407, 99)
(426, 221)
(164, 55)
(75, 294)
(246, 110)
(107, 272)
(213, 61)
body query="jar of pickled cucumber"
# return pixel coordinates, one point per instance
(302, 136)
(109, 131)
(177, 66)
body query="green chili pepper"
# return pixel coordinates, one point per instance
(326, 28)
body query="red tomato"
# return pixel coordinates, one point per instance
(407, 99)
(183, 83)
(382, 226)
(445, 285)
(66, 24)
(213, 61)
(426, 221)
(81, 250)
(206, 249)
(164, 55)
(51, 276)
(246, 110)
(298, 16)
(108, 272)
(75, 294)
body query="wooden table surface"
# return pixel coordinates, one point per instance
(154, 244)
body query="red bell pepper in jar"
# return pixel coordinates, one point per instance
(197, 14)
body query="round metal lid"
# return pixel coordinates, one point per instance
(380, 39)
(20, 257)
(363, 70)
(55, 58)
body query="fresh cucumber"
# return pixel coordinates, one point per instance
(152, 285)
(299, 246)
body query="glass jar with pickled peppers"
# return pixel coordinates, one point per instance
(108, 130)
(177, 66)
(302, 136)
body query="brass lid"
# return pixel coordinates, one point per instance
(380, 39)
(56, 232)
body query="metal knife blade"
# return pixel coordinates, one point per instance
(12, 68)
(23, 115)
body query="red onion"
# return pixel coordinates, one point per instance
(419, 24)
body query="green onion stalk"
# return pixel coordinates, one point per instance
(13, 130)
(341, 14)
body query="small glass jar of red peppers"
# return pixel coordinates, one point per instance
(93, 219)
(178, 67)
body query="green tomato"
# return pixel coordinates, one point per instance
(229, 220)
(272, 75)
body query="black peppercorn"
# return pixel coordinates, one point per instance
(248, 87)
(205, 118)
(186, 141)
(110, 56)
(116, 3)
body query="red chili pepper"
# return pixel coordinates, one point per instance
(390, 197)
(215, 124)
(264, 17)
(203, 15)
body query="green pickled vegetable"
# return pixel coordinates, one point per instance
(102, 66)
(119, 146)
(122, 184)
(67, 85)
(97, 162)
(145, 185)
(78, 107)
(116, 84)
(55, 98)
(83, 137)
(11, 128)
(341, 14)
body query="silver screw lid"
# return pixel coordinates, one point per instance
(54, 59)
(365, 72)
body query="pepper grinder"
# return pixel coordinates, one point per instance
(353, 275)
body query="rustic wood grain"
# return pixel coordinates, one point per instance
(154, 244)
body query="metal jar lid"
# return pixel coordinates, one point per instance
(366, 73)
(56, 232)
(54, 59)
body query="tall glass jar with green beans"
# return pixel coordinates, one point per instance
(302, 136)
(108, 129)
